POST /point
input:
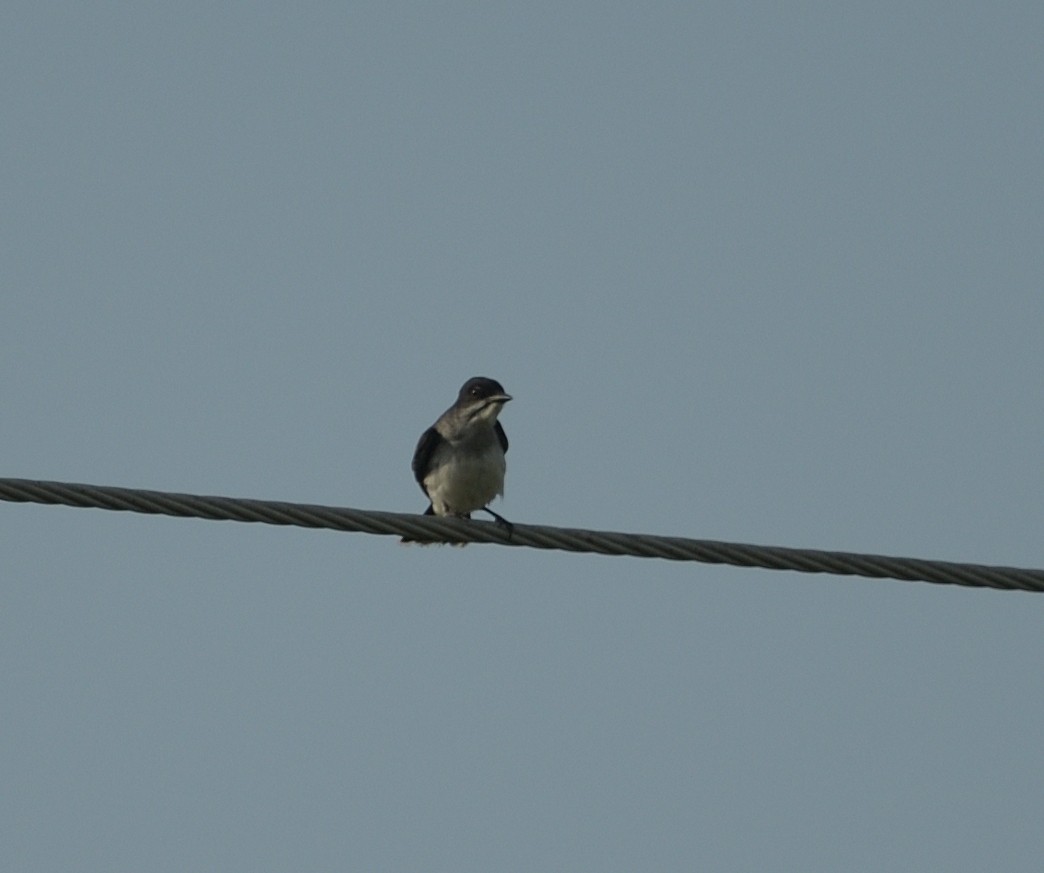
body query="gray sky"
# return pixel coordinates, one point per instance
(769, 273)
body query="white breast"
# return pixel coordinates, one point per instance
(459, 484)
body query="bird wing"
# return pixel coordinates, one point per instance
(426, 446)
(501, 436)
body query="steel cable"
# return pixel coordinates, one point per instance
(453, 530)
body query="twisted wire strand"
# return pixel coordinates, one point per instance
(454, 530)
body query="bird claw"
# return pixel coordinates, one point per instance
(500, 521)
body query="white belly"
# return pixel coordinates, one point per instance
(457, 486)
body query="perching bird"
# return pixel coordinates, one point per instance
(459, 461)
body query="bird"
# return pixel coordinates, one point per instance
(459, 461)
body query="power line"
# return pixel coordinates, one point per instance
(453, 530)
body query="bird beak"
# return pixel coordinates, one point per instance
(499, 398)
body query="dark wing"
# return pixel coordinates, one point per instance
(426, 446)
(501, 436)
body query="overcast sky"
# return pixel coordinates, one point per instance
(759, 272)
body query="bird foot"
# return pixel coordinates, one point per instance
(500, 521)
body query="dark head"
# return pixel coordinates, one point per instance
(482, 397)
(481, 388)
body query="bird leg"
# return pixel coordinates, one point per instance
(500, 520)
